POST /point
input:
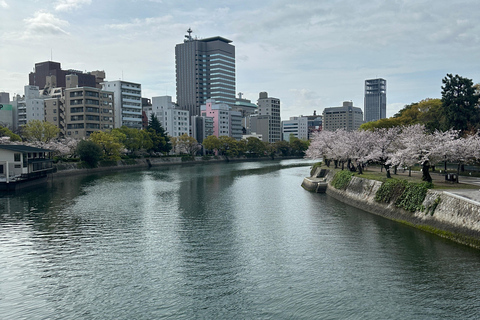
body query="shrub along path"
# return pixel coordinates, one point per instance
(467, 187)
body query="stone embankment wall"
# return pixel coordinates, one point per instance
(66, 169)
(454, 217)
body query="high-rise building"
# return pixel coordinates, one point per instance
(267, 119)
(375, 104)
(205, 69)
(346, 117)
(127, 104)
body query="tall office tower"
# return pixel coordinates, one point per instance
(205, 69)
(127, 103)
(375, 106)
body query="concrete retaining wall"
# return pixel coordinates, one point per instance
(455, 217)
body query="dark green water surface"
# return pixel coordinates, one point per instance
(220, 241)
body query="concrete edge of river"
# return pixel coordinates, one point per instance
(453, 217)
(68, 169)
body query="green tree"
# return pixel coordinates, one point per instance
(131, 138)
(163, 140)
(460, 103)
(282, 147)
(298, 146)
(427, 112)
(109, 143)
(5, 132)
(255, 146)
(36, 130)
(211, 143)
(230, 147)
(89, 152)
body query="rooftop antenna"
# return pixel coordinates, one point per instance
(189, 37)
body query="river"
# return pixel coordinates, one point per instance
(220, 241)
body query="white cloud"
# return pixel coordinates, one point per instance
(4, 4)
(69, 5)
(44, 23)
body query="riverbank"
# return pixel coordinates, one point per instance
(68, 169)
(454, 216)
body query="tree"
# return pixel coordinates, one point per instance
(427, 112)
(211, 143)
(36, 130)
(109, 143)
(185, 144)
(298, 146)
(89, 152)
(255, 146)
(460, 103)
(131, 138)
(5, 132)
(230, 147)
(161, 141)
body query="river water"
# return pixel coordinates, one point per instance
(220, 241)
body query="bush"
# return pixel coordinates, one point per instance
(341, 179)
(89, 152)
(390, 190)
(413, 196)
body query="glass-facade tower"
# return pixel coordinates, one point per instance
(375, 107)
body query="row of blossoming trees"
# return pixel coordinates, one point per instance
(394, 147)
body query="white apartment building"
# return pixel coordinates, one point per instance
(127, 102)
(28, 107)
(175, 122)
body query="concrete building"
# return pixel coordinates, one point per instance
(225, 121)
(80, 111)
(4, 97)
(375, 104)
(51, 71)
(315, 123)
(202, 127)
(346, 117)
(28, 107)
(246, 108)
(205, 69)
(175, 121)
(7, 117)
(296, 126)
(266, 121)
(127, 103)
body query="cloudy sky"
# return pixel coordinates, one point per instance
(311, 54)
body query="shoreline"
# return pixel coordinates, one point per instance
(455, 217)
(68, 169)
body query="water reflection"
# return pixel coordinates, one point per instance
(237, 240)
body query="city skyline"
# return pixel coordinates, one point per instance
(311, 55)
